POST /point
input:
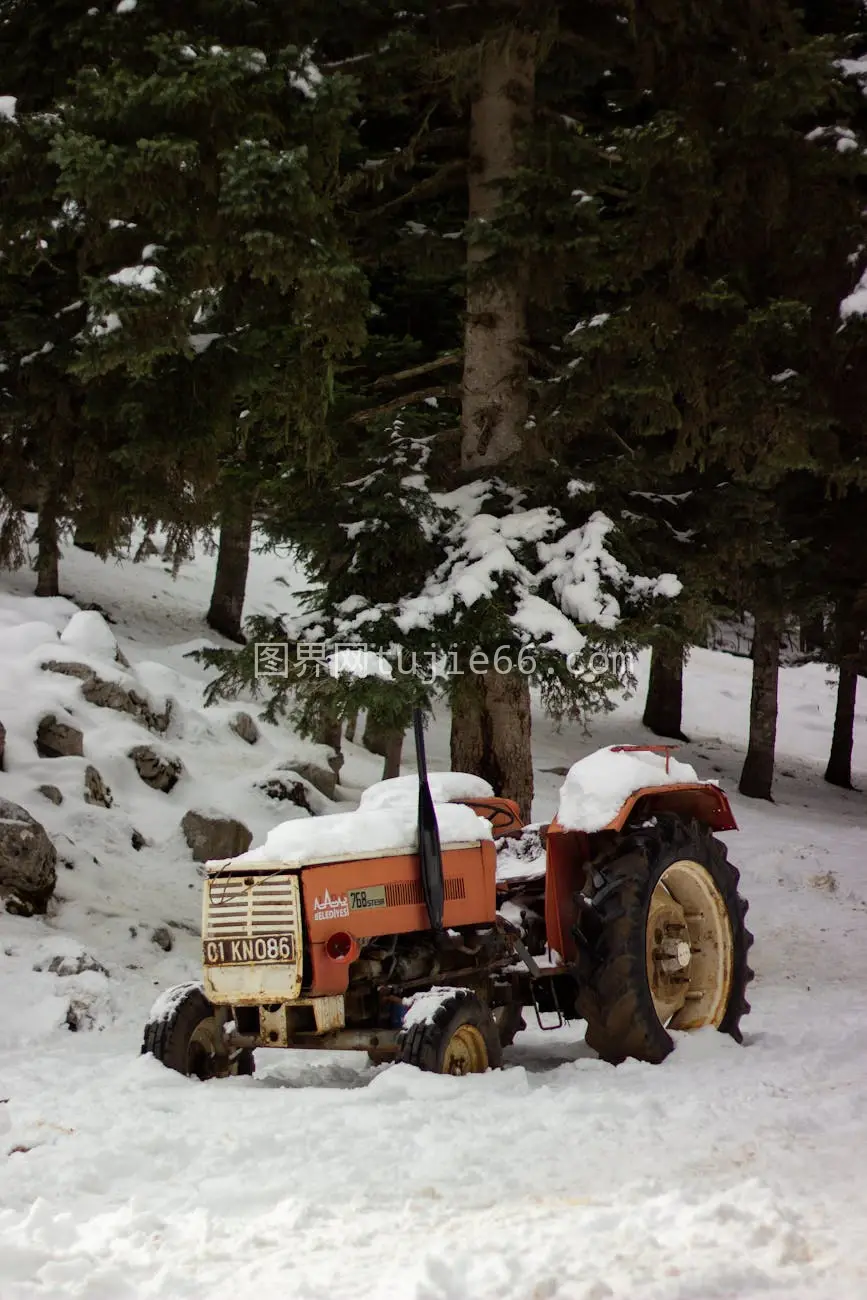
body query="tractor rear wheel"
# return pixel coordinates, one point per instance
(663, 942)
(453, 1034)
(185, 1036)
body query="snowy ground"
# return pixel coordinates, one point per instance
(726, 1172)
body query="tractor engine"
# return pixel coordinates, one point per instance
(325, 946)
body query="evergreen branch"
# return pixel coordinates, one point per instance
(440, 180)
(448, 359)
(405, 399)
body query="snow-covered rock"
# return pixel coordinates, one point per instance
(28, 860)
(88, 633)
(245, 728)
(159, 771)
(114, 694)
(323, 779)
(58, 739)
(209, 836)
(95, 789)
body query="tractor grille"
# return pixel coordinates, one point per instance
(406, 893)
(250, 905)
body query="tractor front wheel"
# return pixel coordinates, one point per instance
(184, 1034)
(663, 942)
(451, 1031)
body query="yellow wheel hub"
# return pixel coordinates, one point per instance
(466, 1052)
(689, 948)
(202, 1053)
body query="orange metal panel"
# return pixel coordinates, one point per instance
(503, 814)
(706, 803)
(383, 896)
(566, 855)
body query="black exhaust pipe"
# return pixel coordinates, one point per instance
(430, 855)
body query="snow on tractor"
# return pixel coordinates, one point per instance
(420, 933)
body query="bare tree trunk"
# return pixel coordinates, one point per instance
(839, 769)
(48, 547)
(351, 727)
(491, 736)
(495, 390)
(233, 561)
(757, 776)
(663, 708)
(330, 732)
(387, 742)
(812, 635)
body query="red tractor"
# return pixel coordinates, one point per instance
(429, 950)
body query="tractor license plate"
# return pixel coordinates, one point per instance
(264, 948)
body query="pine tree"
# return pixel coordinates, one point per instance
(463, 142)
(733, 223)
(206, 154)
(43, 406)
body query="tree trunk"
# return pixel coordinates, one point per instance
(393, 752)
(351, 727)
(491, 724)
(839, 769)
(330, 732)
(495, 389)
(812, 635)
(663, 707)
(48, 547)
(490, 734)
(387, 742)
(757, 775)
(233, 561)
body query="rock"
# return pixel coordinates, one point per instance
(323, 779)
(111, 695)
(244, 726)
(214, 837)
(100, 609)
(162, 937)
(95, 789)
(138, 841)
(28, 861)
(88, 630)
(58, 739)
(286, 791)
(51, 793)
(82, 961)
(80, 1015)
(159, 771)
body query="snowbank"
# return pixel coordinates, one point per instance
(380, 831)
(402, 791)
(596, 786)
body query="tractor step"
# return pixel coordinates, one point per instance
(561, 1019)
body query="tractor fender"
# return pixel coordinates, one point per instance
(568, 851)
(703, 802)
